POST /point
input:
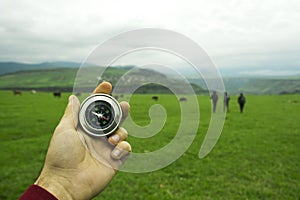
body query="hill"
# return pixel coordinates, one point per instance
(255, 85)
(9, 67)
(273, 86)
(61, 75)
(63, 79)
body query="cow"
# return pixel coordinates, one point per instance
(155, 98)
(17, 92)
(57, 94)
(182, 99)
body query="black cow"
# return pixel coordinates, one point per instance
(17, 92)
(57, 94)
(182, 99)
(155, 98)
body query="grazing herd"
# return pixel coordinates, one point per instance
(19, 92)
(181, 99)
(58, 95)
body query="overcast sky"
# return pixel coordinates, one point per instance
(234, 33)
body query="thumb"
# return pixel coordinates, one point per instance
(70, 118)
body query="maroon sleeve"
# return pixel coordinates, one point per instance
(35, 192)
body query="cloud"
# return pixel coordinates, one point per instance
(234, 33)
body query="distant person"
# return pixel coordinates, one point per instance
(214, 97)
(226, 102)
(241, 101)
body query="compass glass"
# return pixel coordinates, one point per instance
(99, 114)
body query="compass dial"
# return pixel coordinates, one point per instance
(100, 115)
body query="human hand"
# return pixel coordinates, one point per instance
(78, 166)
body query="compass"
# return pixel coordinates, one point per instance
(100, 115)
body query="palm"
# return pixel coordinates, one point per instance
(79, 164)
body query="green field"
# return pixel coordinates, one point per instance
(257, 156)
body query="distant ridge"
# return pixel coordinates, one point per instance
(62, 79)
(256, 85)
(10, 67)
(49, 75)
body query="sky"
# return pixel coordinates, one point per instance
(259, 34)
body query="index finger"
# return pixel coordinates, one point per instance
(104, 87)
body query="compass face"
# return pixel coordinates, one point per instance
(100, 115)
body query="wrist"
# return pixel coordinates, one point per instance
(57, 186)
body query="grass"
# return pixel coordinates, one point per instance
(256, 157)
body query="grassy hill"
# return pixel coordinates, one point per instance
(63, 79)
(50, 76)
(39, 79)
(48, 79)
(10, 67)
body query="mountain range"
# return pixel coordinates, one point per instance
(62, 75)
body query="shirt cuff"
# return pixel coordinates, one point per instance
(35, 192)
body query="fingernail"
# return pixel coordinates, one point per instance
(116, 153)
(115, 138)
(71, 98)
